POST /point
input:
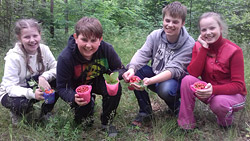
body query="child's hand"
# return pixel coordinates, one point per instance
(205, 93)
(80, 101)
(43, 83)
(128, 74)
(203, 42)
(137, 87)
(39, 94)
(147, 81)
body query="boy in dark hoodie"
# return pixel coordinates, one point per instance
(84, 61)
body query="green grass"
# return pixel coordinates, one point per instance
(162, 128)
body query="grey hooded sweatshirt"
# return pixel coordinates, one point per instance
(164, 55)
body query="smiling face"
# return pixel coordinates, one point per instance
(87, 46)
(30, 38)
(172, 26)
(210, 30)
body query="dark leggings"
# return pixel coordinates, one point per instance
(22, 105)
(109, 103)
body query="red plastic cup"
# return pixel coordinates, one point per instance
(84, 92)
(112, 88)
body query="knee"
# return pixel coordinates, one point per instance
(186, 80)
(168, 89)
(167, 94)
(218, 107)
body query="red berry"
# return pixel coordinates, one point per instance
(199, 85)
(82, 89)
(133, 79)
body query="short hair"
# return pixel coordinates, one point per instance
(26, 23)
(89, 27)
(220, 20)
(176, 10)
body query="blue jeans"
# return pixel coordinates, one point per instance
(168, 90)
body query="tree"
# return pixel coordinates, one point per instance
(52, 28)
(66, 17)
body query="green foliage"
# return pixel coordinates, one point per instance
(126, 24)
(34, 84)
(112, 78)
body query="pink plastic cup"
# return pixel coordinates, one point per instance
(192, 87)
(112, 88)
(84, 92)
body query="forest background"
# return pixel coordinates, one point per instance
(126, 24)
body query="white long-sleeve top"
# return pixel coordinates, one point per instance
(16, 72)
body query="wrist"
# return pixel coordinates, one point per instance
(41, 77)
(205, 46)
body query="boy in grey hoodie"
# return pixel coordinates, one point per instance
(170, 52)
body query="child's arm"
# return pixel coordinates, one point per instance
(197, 63)
(115, 63)
(12, 81)
(64, 80)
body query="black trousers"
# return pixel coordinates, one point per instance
(22, 105)
(109, 103)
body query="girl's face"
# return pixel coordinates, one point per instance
(210, 30)
(30, 39)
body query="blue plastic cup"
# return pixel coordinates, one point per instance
(49, 98)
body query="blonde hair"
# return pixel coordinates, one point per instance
(220, 20)
(28, 23)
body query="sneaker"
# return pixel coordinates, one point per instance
(88, 122)
(46, 117)
(140, 118)
(15, 119)
(173, 112)
(111, 130)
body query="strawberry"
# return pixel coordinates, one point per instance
(49, 91)
(82, 89)
(199, 85)
(134, 79)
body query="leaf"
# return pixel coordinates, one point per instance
(34, 89)
(114, 75)
(141, 84)
(42, 88)
(112, 78)
(32, 83)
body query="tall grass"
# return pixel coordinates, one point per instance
(163, 127)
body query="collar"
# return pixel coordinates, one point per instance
(217, 44)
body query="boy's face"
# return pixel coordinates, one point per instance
(87, 46)
(171, 25)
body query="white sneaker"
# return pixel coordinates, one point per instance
(15, 119)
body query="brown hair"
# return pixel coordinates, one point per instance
(176, 10)
(89, 27)
(220, 20)
(28, 23)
